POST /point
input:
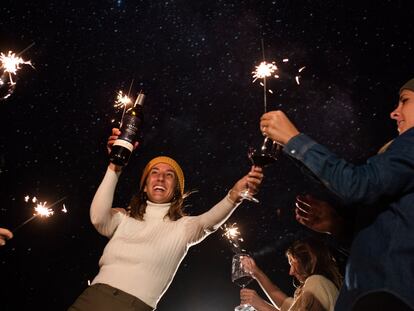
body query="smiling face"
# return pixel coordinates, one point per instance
(161, 183)
(404, 113)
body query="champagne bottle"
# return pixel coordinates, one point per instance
(131, 122)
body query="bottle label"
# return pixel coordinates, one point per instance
(129, 130)
(124, 143)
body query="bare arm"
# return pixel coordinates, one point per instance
(273, 293)
(216, 216)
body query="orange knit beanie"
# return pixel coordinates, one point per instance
(166, 160)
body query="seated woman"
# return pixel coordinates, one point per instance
(312, 265)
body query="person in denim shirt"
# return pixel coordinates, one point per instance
(380, 270)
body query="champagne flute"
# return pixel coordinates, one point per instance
(241, 277)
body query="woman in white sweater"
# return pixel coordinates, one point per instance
(147, 243)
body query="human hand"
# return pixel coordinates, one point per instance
(113, 137)
(277, 126)
(5, 234)
(250, 297)
(249, 265)
(252, 181)
(317, 215)
(111, 140)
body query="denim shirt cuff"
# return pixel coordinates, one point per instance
(298, 145)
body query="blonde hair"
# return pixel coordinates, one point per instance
(314, 257)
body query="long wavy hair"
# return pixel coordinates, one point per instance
(138, 204)
(314, 257)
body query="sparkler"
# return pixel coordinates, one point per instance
(233, 235)
(9, 65)
(41, 209)
(124, 102)
(265, 70)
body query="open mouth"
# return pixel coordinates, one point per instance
(159, 188)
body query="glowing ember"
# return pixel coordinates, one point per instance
(298, 76)
(64, 209)
(232, 234)
(122, 101)
(11, 64)
(264, 70)
(42, 210)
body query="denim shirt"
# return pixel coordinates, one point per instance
(382, 193)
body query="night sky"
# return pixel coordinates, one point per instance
(194, 61)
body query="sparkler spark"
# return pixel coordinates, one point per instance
(298, 76)
(122, 101)
(125, 103)
(9, 65)
(232, 234)
(41, 209)
(264, 70)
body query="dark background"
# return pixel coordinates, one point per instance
(193, 59)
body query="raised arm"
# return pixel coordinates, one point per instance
(384, 175)
(217, 215)
(103, 216)
(273, 293)
(101, 212)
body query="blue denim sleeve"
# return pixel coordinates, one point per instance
(388, 174)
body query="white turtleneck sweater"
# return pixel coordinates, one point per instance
(142, 257)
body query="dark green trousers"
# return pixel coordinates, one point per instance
(102, 297)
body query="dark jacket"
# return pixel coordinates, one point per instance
(381, 191)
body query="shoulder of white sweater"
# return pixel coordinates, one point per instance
(318, 281)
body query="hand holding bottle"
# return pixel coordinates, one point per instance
(127, 135)
(111, 139)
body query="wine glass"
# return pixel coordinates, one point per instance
(267, 154)
(240, 277)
